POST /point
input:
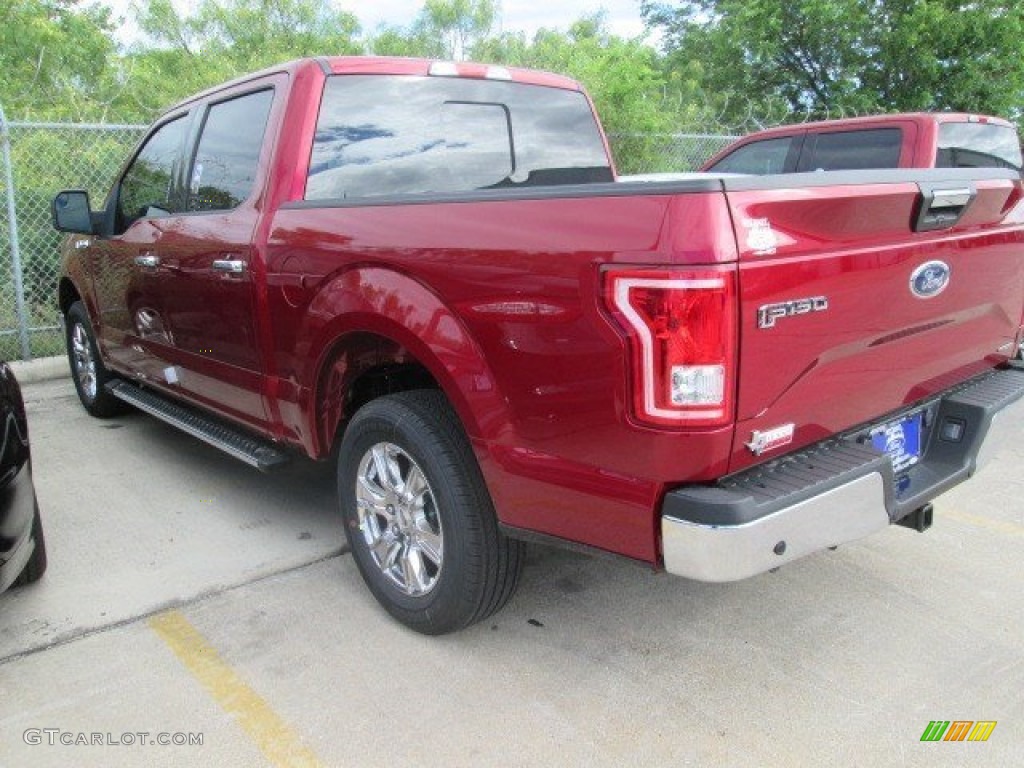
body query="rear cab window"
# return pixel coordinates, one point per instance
(977, 145)
(388, 135)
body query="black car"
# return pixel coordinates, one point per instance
(22, 548)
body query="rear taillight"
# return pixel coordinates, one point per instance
(681, 327)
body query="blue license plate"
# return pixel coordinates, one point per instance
(901, 440)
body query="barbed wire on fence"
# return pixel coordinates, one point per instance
(737, 116)
(664, 152)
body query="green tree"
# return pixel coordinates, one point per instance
(622, 76)
(443, 29)
(57, 60)
(227, 38)
(635, 98)
(820, 57)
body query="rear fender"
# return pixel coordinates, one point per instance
(414, 326)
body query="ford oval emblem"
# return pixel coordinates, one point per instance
(930, 279)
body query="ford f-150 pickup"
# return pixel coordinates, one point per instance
(907, 140)
(426, 272)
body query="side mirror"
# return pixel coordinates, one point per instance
(71, 212)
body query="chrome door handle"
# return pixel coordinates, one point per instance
(148, 260)
(231, 266)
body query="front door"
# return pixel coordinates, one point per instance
(207, 290)
(131, 325)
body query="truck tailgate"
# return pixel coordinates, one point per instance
(864, 293)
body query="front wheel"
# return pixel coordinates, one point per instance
(87, 369)
(418, 517)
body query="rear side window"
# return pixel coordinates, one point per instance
(147, 187)
(224, 169)
(398, 134)
(852, 150)
(977, 145)
(759, 157)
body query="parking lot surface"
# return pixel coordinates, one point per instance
(191, 599)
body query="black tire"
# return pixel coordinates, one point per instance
(36, 565)
(478, 569)
(87, 369)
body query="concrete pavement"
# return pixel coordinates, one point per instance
(188, 594)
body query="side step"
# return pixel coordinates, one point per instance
(258, 453)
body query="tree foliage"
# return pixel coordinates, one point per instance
(622, 76)
(57, 60)
(226, 38)
(721, 61)
(820, 57)
(443, 29)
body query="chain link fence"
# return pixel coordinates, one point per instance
(39, 159)
(664, 152)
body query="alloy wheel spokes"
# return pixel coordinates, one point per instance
(398, 519)
(85, 365)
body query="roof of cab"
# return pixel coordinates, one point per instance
(393, 65)
(917, 117)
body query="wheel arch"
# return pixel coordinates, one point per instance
(67, 294)
(388, 333)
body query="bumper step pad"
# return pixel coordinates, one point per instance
(836, 491)
(782, 483)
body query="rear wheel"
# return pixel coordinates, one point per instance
(87, 369)
(418, 517)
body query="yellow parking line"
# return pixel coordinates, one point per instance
(279, 743)
(1002, 526)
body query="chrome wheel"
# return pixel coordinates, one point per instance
(85, 364)
(398, 519)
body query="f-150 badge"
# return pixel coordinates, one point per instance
(762, 442)
(768, 314)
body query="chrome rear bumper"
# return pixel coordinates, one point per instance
(835, 492)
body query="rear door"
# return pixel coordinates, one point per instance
(887, 145)
(859, 296)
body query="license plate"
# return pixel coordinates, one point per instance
(901, 440)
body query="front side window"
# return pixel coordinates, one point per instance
(396, 135)
(977, 145)
(147, 187)
(758, 157)
(852, 150)
(227, 158)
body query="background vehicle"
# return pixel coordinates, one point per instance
(912, 140)
(22, 547)
(424, 270)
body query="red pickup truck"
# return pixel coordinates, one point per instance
(908, 140)
(426, 272)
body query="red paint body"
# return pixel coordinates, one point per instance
(500, 301)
